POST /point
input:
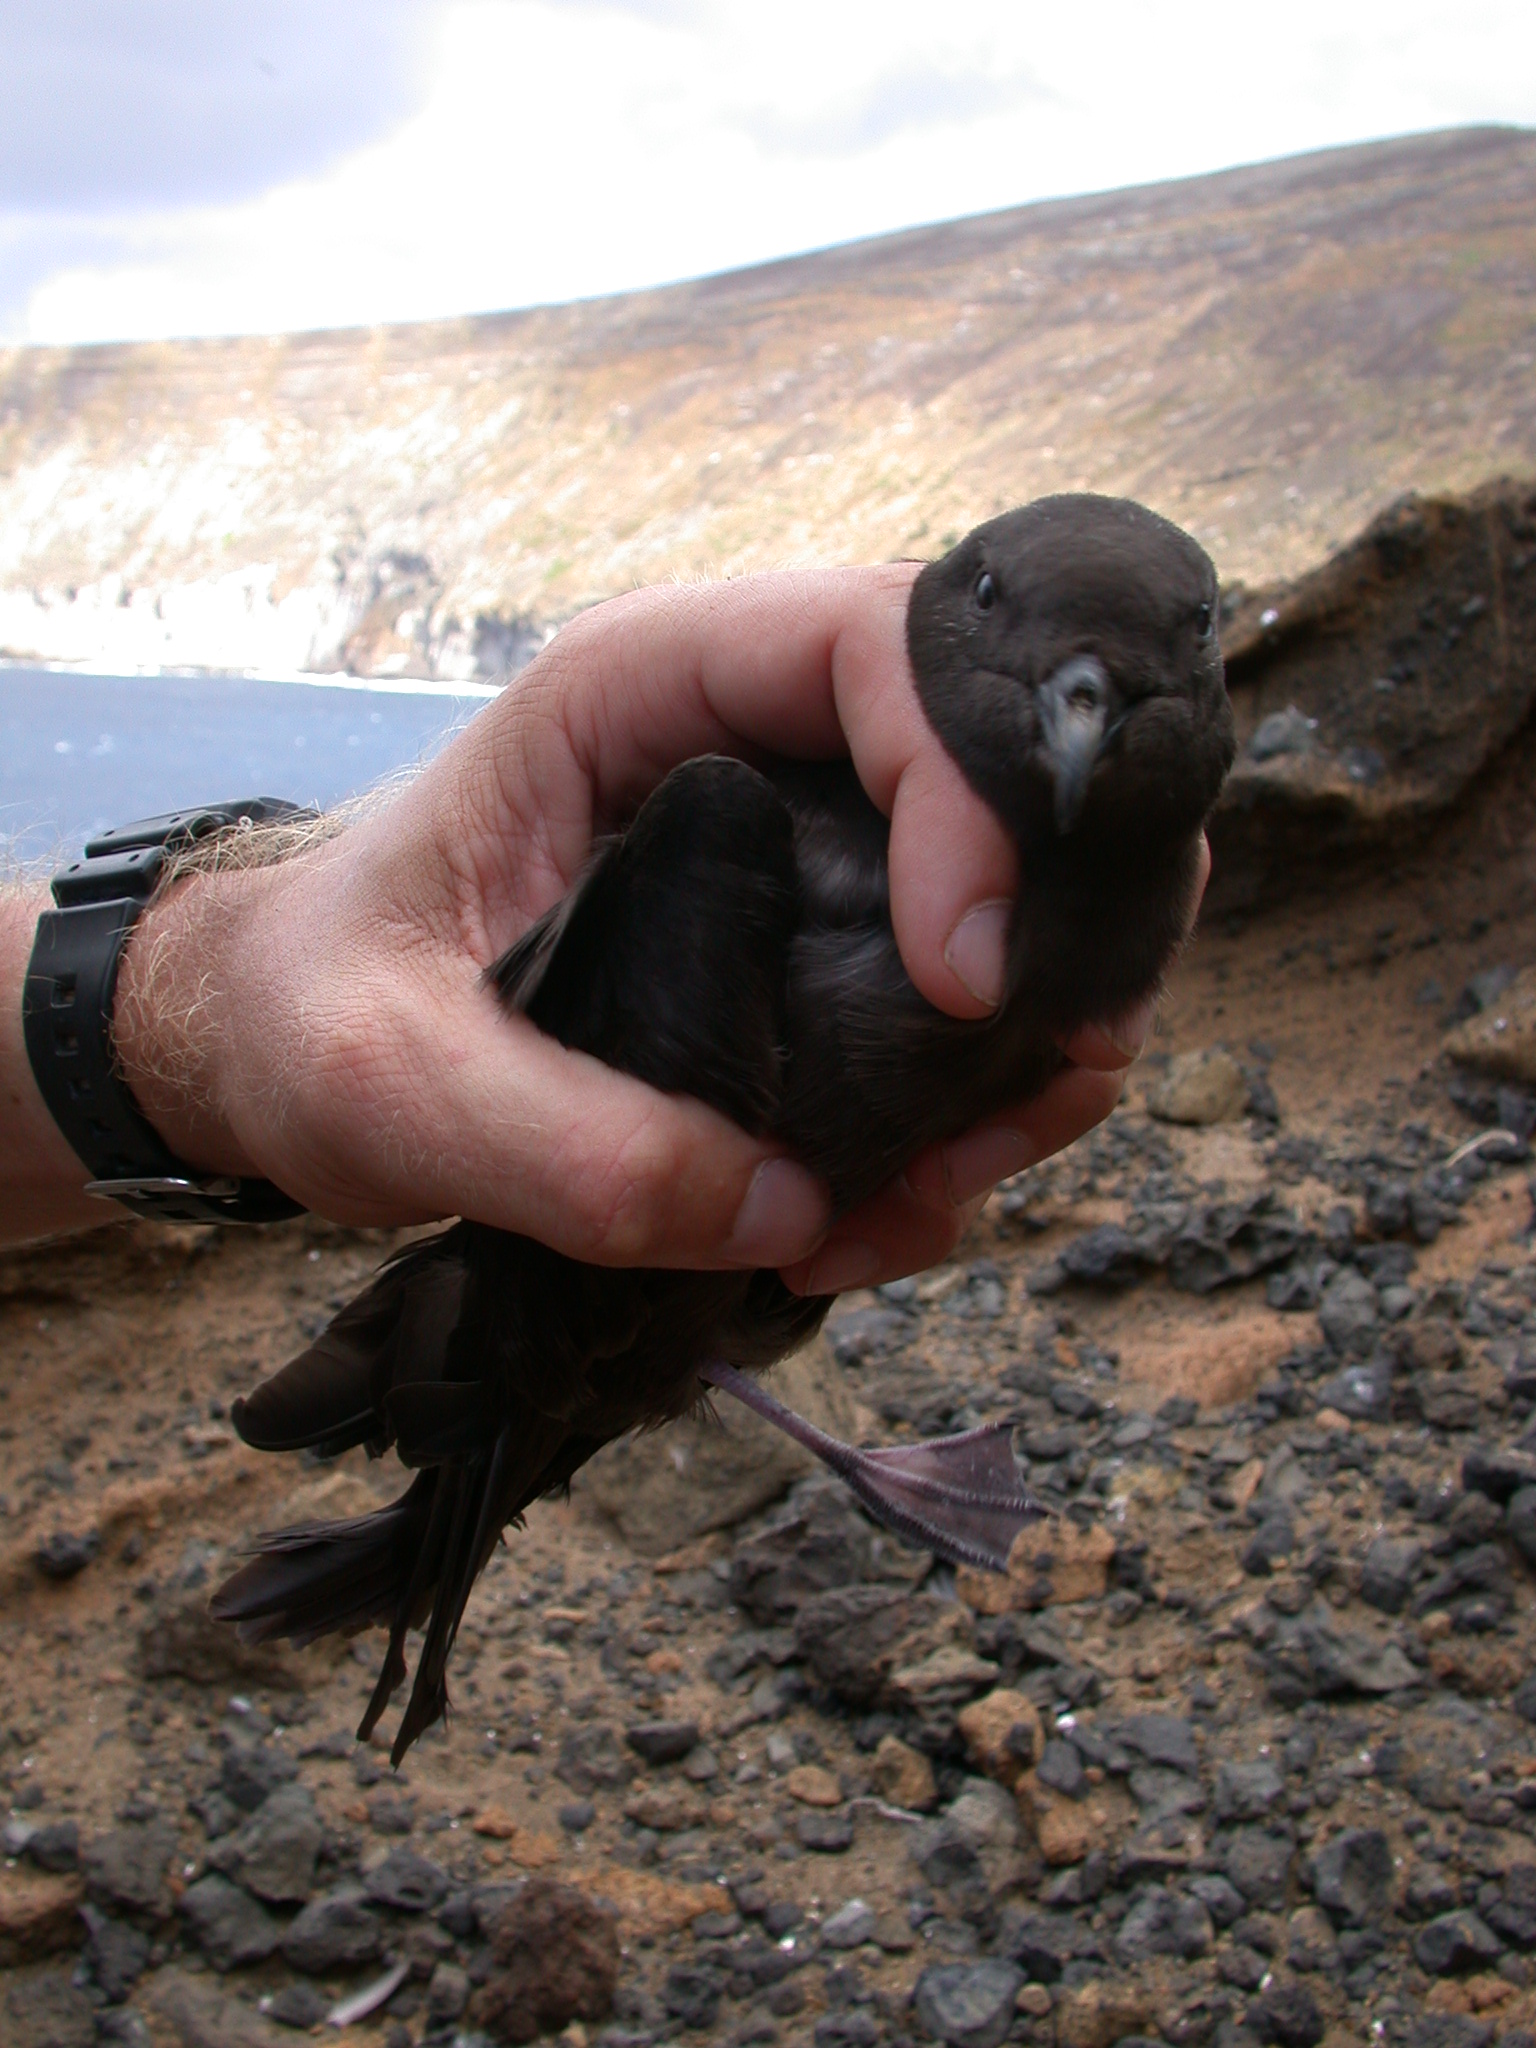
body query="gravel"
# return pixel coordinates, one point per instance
(967, 2005)
(1284, 1773)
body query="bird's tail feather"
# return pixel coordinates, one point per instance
(389, 1369)
(456, 1571)
(320, 1577)
(474, 1499)
(419, 1596)
(410, 1565)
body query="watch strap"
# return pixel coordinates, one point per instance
(67, 1005)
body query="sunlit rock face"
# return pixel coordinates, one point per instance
(1268, 356)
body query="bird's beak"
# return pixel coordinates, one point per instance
(1074, 712)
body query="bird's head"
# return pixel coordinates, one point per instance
(1066, 655)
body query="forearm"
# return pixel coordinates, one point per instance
(41, 1180)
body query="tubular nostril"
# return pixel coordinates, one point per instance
(1079, 686)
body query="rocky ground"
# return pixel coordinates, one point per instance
(1243, 1748)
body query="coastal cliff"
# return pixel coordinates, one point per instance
(1269, 356)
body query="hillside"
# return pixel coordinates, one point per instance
(1269, 355)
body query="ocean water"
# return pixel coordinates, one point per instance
(79, 753)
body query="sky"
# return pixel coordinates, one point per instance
(178, 167)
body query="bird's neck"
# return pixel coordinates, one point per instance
(1096, 928)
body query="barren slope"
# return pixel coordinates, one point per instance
(1269, 355)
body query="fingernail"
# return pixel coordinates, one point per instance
(984, 1158)
(1129, 1033)
(781, 1218)
(848, 1264)
(977, 951)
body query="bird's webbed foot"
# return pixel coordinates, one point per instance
(958, 1496)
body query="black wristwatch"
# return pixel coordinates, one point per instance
(67, 1012)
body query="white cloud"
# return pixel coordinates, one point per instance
(167, 101)
(565, 150)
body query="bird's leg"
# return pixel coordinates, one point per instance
(958, 1496)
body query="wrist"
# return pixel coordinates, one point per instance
(174, 1014)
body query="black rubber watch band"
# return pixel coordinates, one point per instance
(67, 1015)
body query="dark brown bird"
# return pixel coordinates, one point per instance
(735, 944)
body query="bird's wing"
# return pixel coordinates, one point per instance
(841, 844)
(487, 1359)
(667, 959)
(331, 1397)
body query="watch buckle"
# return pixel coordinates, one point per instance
(166, 1187)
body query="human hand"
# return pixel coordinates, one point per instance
(320, 1022)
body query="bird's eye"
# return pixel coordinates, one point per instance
(1203, 622)
(986, 591)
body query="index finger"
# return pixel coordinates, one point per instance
(953, 868)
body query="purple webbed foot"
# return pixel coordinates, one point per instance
(958, 1496)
